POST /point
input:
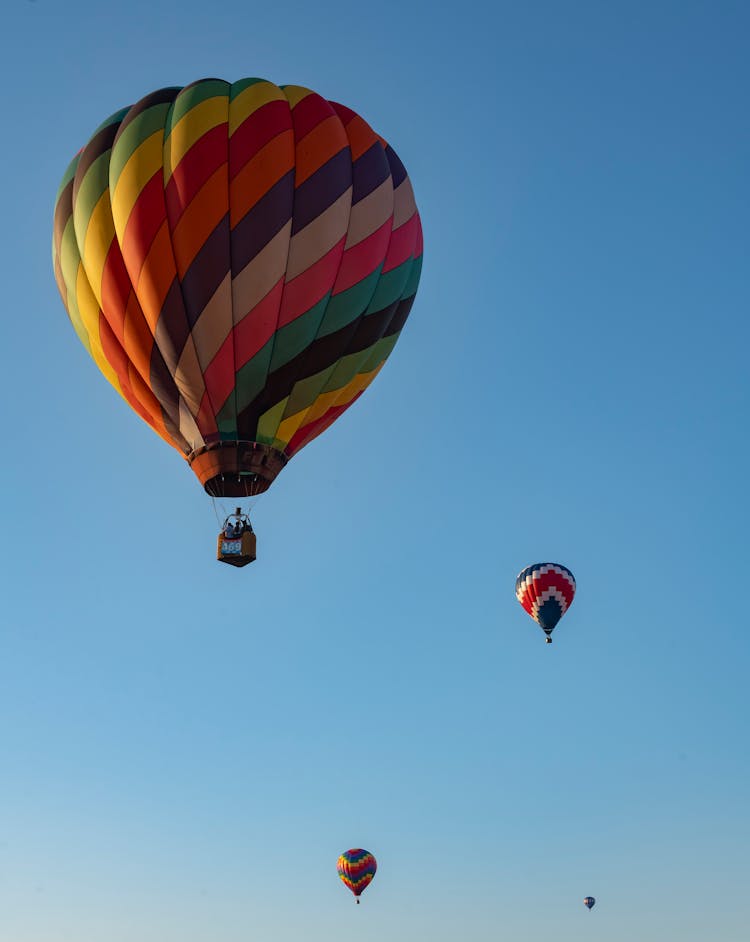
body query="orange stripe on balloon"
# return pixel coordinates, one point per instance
(260, 173)
(142, 226)
(138, 340)
(257, 130)
(361, 136)
(126, 320)
(115, 289)
(157, 276)
(316, 148)
(142, 401)
(146, 394)
(200, 219)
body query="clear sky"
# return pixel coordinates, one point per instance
(186, 748)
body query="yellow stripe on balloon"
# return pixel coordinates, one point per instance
(69, 259)
(249, 100)
(338, 397)
(296, 93)
(289, 426)
(100, 234)
(322, 404)
(143, 163)
(88, 308)
(190, 128)
(268, 423)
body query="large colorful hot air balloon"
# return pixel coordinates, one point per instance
(545, 590)
(239, 260)
(356, 869)
(589, 902)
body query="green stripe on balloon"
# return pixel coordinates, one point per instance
(390, 288)
(412, 282)
(90, 190)
(250, 380)
(239, 87)
(295, 337)
(192, 96)
(344, 308)
(369, 359)
(130, 138)
(70, 260)
(115, 118)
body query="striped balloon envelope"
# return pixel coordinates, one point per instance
(356, 868)
(239, 260)
(546, 590)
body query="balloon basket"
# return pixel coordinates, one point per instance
(236, 551)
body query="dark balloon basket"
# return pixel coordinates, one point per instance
(238, 550)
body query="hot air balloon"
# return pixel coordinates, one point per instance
(356, 869)
(238, 260)
(589, 902)
(545, 590)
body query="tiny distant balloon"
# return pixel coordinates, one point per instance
(546, 590)
(356, 869)
(589, 902)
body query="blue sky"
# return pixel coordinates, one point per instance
(187, 748)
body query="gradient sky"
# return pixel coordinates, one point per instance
(185, 748)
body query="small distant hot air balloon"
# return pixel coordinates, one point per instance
(589, 902)
(356, 869)
(545, 590)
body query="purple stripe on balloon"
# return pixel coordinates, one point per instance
(268, 217)
(322, 189)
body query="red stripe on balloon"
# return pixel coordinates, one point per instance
(307, 289)
(553, 580)
(144, 221)
(219, 375)
(403, 245)
(255, 132)
(255, 330)
(116, 288)
(199, 163)
(362, 259)
(308, 113)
